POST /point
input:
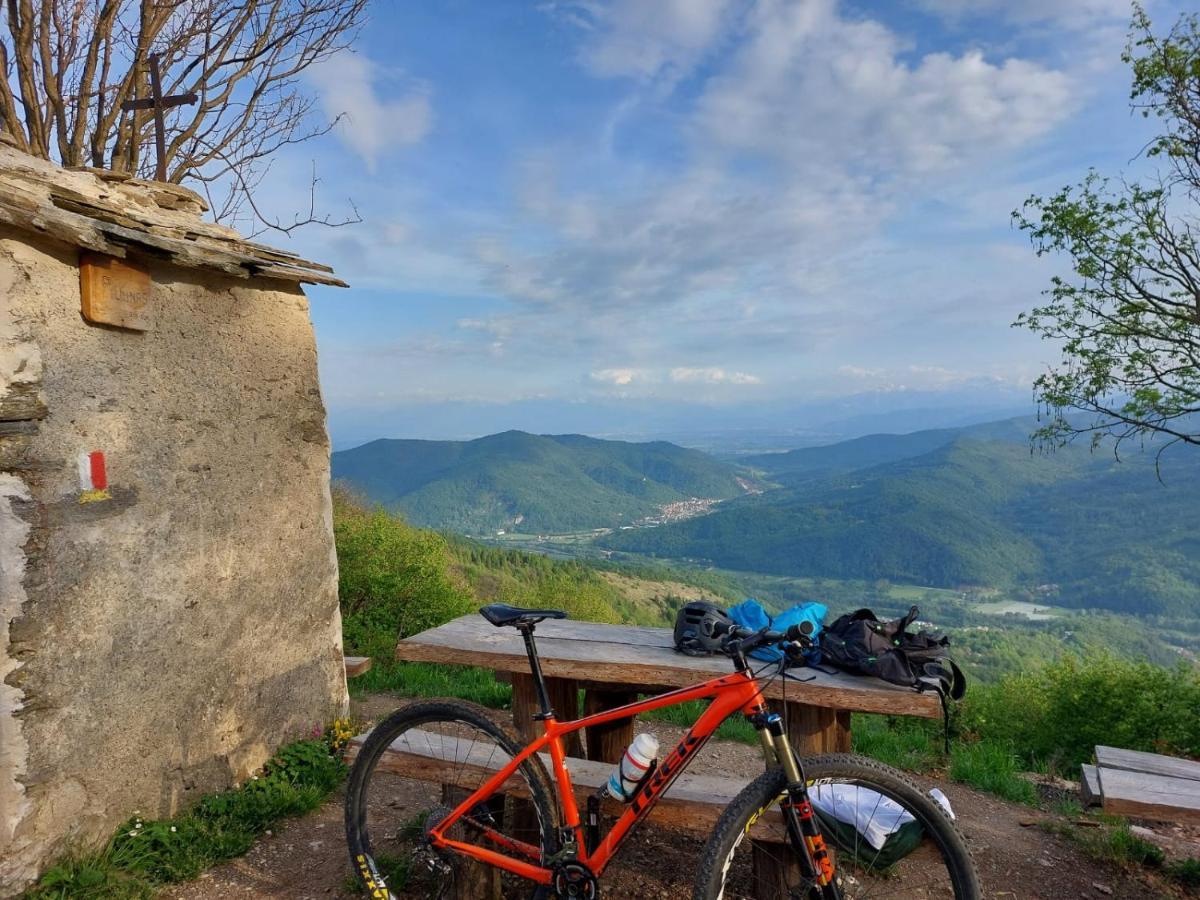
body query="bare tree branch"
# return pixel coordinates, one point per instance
(69, 65)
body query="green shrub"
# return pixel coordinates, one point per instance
(1185, 871)
(393, 580)
(1056, 715)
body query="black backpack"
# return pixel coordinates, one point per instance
(859, 642)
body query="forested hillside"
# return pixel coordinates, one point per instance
(876, 449)
(396, 580)
(1105, 533)
(537, 483)
(1042, 692)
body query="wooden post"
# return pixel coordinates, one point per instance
(524, 705)
(564, 699)
(606, 743)
(473, 880)
(816, 729)
(776, 871)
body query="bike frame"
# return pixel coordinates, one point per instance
(730, 694)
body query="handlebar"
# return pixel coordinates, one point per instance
(744, 640)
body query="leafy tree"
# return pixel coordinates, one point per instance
(1129, 317)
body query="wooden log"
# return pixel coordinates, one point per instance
(356, 665)
(1150, 763)
(775, 869)
(524, 706)
(1089, 787)
(1150, 796)
(564, 700)
(813, 730)
(607, 742)
(473, 880)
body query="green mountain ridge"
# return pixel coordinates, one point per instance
(537, 483)
(1106, 533)
(876, 449)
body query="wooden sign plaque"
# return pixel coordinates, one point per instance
(114, 292)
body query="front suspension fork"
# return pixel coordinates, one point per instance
(804, 833)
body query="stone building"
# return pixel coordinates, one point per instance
(168, 583)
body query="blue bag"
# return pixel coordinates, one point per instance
(750, 614)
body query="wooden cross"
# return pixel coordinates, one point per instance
(157, 102)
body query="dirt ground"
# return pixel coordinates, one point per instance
(305, 859)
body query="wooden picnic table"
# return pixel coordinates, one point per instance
(613, 664)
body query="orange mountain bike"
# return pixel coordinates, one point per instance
(441, 794)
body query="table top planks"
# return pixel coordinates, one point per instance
(1150, 796)
(643, 658)
(1150, 763)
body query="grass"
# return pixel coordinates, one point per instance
(408, 679)
(1185, 871)
(991, 766)
(735, 728)
(902, 742)
(145, 854)
(1111, 842)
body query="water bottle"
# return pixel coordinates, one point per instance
(635, 763)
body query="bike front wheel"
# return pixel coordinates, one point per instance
(886, 837)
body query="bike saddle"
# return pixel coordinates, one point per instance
(503, 614)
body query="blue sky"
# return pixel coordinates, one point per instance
(694, 203)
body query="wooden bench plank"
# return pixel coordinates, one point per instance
(1150, 796)
(691, 805)
(356, 665)
(618, 655)
(1089, 786)
(1150, 763)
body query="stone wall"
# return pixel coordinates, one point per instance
(158, 644)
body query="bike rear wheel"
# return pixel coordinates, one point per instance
(413, 769)
(744, 859)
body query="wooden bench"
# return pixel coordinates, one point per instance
(356, 665)
(1143, 785)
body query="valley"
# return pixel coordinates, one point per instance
(1021, 554)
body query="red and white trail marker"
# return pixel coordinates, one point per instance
(93, 476)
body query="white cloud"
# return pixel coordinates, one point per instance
(348, 85)
(860, 372)
(685, 375)
(647, 38)
(813, 133)
(618, 377)
(819, 91)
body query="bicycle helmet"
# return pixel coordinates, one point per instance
(694, 627)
